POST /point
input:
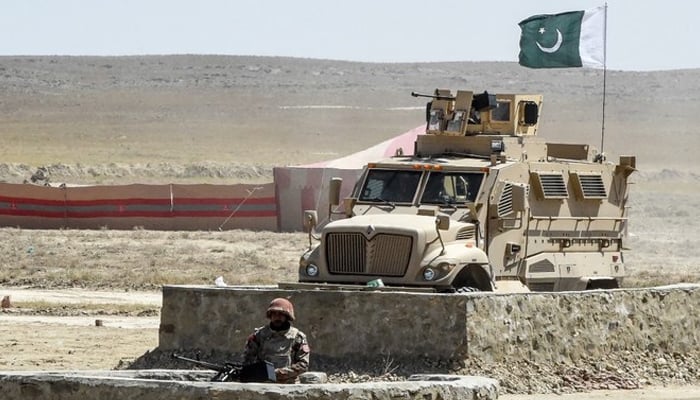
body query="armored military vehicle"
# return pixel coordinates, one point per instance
(483, 204)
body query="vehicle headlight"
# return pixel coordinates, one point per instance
(311, 270)
(429, 274)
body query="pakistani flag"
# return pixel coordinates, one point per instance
(570, 39)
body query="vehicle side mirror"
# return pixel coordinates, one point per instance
(442, 222)
(310, 220)
(334, 191)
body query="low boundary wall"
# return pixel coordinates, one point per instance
(546, 327)
(169, 385)
(159, 207)
(304, 188)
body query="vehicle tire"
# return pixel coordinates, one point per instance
(472, 278)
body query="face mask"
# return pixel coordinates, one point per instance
(280, 325)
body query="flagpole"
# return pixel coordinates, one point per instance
(605, 68)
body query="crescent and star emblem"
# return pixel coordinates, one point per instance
(556, 46)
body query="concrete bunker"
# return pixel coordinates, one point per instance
(544, 327)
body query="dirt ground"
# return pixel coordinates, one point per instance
(69, 343)
(649, 393)
(67, 338)
(49, 342)
(192, 119)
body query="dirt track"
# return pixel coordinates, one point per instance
(81, 296)
(68, 343)
(33, 340)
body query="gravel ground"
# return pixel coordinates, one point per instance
(615, 372)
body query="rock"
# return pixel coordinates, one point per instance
(313, 377)
(6, 302)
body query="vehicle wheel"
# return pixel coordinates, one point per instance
(472, 278)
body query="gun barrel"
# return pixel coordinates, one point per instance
(208, 365)
(432, 96)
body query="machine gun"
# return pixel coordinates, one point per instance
(433, 96)
(258, 372)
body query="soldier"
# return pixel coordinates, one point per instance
(279, 343)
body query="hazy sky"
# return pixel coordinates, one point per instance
(642, 34)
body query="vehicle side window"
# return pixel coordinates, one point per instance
(435, 189)
(390, 185)
(452, 187)
(373, 189)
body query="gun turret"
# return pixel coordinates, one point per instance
(257, 372)
(469, 114)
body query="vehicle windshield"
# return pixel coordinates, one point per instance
(452, 187)
(390, 186)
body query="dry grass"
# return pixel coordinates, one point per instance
(664, 233)
(140, 259)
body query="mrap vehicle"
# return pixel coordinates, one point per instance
(483, 204)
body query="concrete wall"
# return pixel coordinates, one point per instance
(566, 327)
(298, 189)
(337, 323)
(149, 385)
(374, 324)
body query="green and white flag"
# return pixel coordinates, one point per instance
(570, 39)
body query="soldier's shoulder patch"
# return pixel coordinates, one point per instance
(252, 338)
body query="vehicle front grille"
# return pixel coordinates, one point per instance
(354, 254)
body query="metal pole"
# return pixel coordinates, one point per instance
(605, 68)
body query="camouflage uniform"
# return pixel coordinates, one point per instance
(287, 350)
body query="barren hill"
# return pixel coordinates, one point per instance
(229, 118)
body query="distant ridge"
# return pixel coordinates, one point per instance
(194, 109)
